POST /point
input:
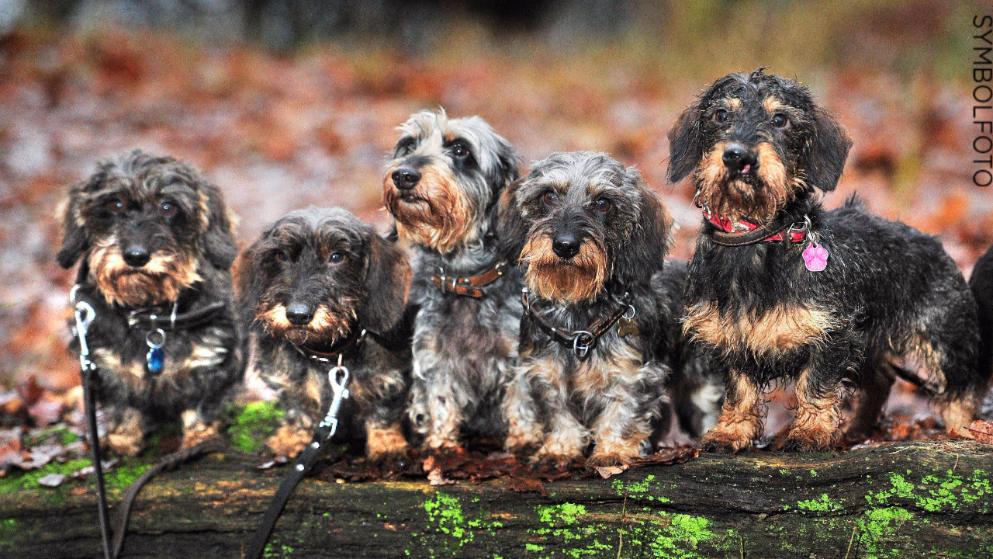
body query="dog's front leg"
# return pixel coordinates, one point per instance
(567, 438)
(524, 429)
(197, 428)
(125, 432)
(443, 409)
(741, 418)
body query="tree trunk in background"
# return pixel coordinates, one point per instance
(924, 499)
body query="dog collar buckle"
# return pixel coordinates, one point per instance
(582, 342)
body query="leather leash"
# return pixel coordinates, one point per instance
(85, 314)
(338, 377)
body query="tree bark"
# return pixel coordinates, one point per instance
(928, 499)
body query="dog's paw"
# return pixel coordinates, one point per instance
(289, 440)
(383, 442)
(723, 440)
(810, 440)
(124, 444)
(199, 433)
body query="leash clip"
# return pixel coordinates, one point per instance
(85, 314)
(338, 377)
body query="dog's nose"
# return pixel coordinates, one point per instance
(299, 313)
(738, 158)
(136, 256)
(565, 245)
(406, 178)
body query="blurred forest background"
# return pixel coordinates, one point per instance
(285, 103)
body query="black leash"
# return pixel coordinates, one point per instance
(84, 317)
(166, 463)
(85, 314)
(338, 376)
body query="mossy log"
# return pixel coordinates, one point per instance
(928, 499)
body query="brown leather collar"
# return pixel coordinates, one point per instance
(469, 286)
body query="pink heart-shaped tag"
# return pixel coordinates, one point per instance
(815, 257)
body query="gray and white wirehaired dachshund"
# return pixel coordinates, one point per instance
(442, 186)
(591, 236)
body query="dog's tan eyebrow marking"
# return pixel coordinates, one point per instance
(733, 103)
(772, 104)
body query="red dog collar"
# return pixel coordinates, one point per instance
(744, 228)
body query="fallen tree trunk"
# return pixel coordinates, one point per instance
(930, 499)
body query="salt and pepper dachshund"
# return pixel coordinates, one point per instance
(780, 288)
(442, 186)
(156, 246)
(591, 235)
(318, 289)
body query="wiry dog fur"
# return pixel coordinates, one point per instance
(590, 231)
(888, 291)
(309, 285)
(981, 283)
(151, 232)
(452, 172)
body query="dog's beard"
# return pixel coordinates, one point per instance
(580, 278)
(159, 281)
(328, 326)
(766, 191)
(435, 214)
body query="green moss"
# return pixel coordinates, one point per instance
(9, 532)
(876, 529)
(29, 480)
(570, 530)
(572, 537)
(639, 489)
(936, 493)
(681, 537)
(821, 504)
(446, 517)
(277, 551)
(252, 424)
(59, 432)
(813, 472)
(125, 474)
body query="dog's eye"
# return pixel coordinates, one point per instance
(601, 204)
(167, 209)
(116, 205)
(550, 198)
(721, 115)
(405, 146)
(281, 256)
(779, 120)
(336, 257)
(460, 150)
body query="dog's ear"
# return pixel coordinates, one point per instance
(685, 144)
(75, 240)
(248, 281)
(218, 240)
(510, 225)
(506, 170)
(827, 151)
(645, 250)
(388, 285)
